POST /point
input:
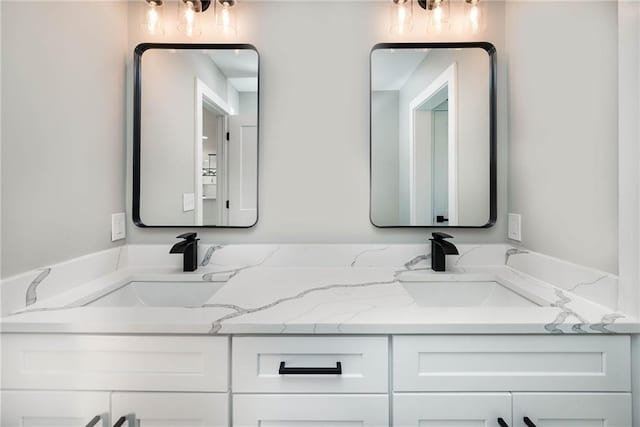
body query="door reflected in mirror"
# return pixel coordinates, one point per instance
(433, 135)
(197, 115)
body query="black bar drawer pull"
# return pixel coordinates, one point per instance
(310, 371)
(120, 422)
(528, 422)
(502, 422)
(94, 421)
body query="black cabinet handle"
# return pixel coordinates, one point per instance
(310, 371)
(120, 422)
(502, 422)
(528, 422)
(94, 421)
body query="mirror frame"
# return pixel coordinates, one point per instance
(493, 151)
(137, 120)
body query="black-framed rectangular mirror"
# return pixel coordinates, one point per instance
(195, 135)
(433, 135)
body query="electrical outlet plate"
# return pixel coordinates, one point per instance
(515, 227)
(188, 202)
(118, 226)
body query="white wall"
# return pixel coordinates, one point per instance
(563, 104)
(314, 118)
(384, 158)
(629, 157)
(168, 133)
(314, 167)
(635, 378)
(63, 115)
(248, 102)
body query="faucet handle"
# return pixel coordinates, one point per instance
(440, 236)
(188, 236)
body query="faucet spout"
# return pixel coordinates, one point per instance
(189, 249)
(439, 249)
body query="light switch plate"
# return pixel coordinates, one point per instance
(118, 226)
(515, 227)
(188, 202)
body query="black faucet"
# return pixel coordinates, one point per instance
(440, 248)
(188, 247)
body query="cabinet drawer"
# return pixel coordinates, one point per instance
(68, 362)
(172, 409)
(299, 410)
(515, 363)
(363, 361)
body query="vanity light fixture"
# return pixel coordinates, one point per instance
(188, 16)
(401, 14)
(226, 17)
(153, 18)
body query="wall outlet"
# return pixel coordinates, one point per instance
(188, 202)
(118, 226)
(515, 227)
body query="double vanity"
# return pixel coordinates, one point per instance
(309, 335)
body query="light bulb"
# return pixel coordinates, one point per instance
(401, 16)
(437, 17)
(474, 16)
(188, 19)
(226, 17)
(439, 11)
(153, 23)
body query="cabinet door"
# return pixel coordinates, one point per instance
(53, 408)
(572, 409)
(451, 409)
(320, 410)
(172, 409)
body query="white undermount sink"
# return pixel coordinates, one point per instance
(158, 294)
(463, 291)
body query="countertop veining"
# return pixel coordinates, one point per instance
(320, 289)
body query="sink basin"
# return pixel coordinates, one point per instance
(465, 294)
(158, 294)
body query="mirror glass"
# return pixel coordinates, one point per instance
(433, 135)
(197, 136)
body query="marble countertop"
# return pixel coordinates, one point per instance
(310, 290)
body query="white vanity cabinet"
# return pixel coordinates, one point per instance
(512, 363)
(552, 381)
(300, 410)
(54, 408)
(451, 409)
(313, 381)
(572, 409)
(490, 409)
(144, 409)
(103, 362)
(168, 381)
(338, 381)
(172, 409)
(272, 364)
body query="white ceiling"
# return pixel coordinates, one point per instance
(240, 67)
(244, 84)
(391, 68)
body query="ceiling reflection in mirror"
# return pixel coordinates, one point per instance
(198, 138)
(432, 109)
